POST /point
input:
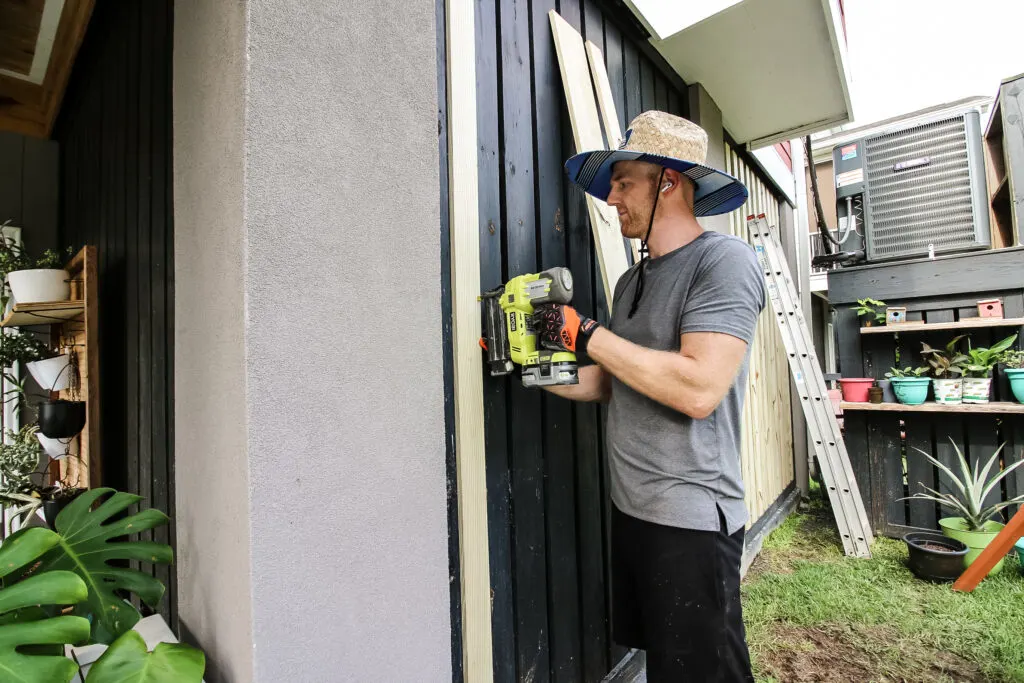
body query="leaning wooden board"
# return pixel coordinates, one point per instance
(609, 115)
(586, 131)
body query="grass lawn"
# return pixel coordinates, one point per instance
(813, 615)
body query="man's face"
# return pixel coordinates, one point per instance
(632, 195)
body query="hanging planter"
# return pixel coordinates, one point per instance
(52, 374)
(57, 449)
(56, 499)
(61, 419)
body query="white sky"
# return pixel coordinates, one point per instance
(909, 54)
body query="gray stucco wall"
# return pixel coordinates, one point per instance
(210, 374)
(331, 323)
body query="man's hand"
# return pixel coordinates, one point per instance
(562, 328)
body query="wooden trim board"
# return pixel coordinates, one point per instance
(477, 658)
(965, 324)
(994, 407)
(609, 115)
(586, 133)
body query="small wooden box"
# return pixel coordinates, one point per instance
(895, 315)
(990, 308)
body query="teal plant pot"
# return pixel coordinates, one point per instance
(1016, 377)
(1019, 547)
(976, 541)
(911, 391)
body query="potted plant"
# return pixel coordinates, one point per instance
(934, 557)
(868, 310)
(974, 525)
(55, 373)
(910, 384)
(33, 280)
(20, 458)
(978, 369)
(1013, 366)
(855, 389)
(947, 370)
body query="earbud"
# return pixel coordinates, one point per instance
(666, 187)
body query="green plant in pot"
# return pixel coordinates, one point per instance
(947, 365)
(871, 311)
(1012, 361)
(973, 523)
(978, 369)
(910, 384)
(20, 457)
(32, 279)
(89, 553)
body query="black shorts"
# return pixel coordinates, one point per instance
(676, 595)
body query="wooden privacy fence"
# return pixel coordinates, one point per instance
(883, 444)
(767, 448)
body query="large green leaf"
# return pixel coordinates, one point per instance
(87, 547)
(22, 626)
(128, 661)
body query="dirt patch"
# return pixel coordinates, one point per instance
(839, 654)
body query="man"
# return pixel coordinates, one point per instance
(672, 366)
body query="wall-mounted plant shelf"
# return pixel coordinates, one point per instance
(1000, 407)
(48, 313)
(968, 324)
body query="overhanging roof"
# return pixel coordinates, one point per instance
(778, 70)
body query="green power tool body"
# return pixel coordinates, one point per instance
(509, 334)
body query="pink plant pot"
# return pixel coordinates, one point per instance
(855, 389)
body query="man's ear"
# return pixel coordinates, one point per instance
(670, 182)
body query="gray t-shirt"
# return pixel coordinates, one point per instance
(667, 467)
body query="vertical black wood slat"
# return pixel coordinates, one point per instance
(525, 439)
(563, 563)
(1013, 434)
(168, 251)
(498, 472)
(616, 73)
(40, 198)
(593, 510)
(631, 71)
(647, 71)
(870, 481)
(12, 150)
(884, 445)
(162, 486)
(586, 417)
(661, 92)
(920, 472)
(451, 471)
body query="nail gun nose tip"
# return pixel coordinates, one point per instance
(483, 344)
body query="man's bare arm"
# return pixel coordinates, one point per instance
(594, 385)
(692, 381)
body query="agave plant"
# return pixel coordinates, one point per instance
(970, 490)
(946, 363)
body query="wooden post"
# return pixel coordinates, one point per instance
(991, 555)
(468, 361)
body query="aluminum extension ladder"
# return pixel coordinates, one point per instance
(843, 493)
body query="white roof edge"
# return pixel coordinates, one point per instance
(836, 34)
(768, 159)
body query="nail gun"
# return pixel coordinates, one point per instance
(509, 334)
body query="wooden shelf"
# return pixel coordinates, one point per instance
(931, 407)
(968, 324)
(48, 313)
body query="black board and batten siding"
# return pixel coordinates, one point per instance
(114, 132)
(883, 445)
(547, 509)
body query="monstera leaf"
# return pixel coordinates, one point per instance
(87, 547)
(24, 627)
(128, 661)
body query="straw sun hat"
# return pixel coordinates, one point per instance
(669, 141)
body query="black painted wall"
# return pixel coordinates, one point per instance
(114, 131)
(546, 475)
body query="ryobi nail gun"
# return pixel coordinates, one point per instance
(509, 334)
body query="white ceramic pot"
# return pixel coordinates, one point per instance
(948, 390)
(57, 449)
(976, 389)
(39, 285)
(52, 374)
